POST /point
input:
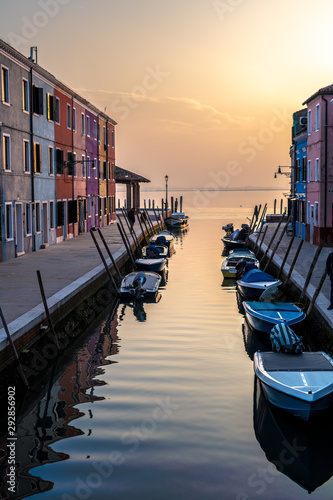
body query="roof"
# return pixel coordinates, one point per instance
(322, 91)
(51, 78)
(124, 176)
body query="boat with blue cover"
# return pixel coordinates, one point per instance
(263, 316)
(164, 238)
(254, 283)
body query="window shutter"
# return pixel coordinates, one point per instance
(59, 161)
(70, 163)
(60, 213)
(72, 211)
(37, 94)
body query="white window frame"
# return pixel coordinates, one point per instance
(6, 152)
(5, 81)
(84, 173)
(10, 222)
(316, 213)
(309, 171)
(309, 122)
(26, 156)
(52, 215)
(69, 116)
(317, 170)
(89, 207)
(69, 152)
(99, 168)
(83, 124)
(95, 130)
(75, 173)
(58, 110)
(51, 160)
(25, 95)
(28, 219)
(37, 145)
(74, 119)
(88, 125)
(309, 212)
(38, 220)
(99, 132)
(317, 117)
(88, 167)
(112, 138)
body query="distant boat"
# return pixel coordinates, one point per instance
(164, 238)
(228, 267)
(140, 284)
(263, 316)
(177, 220)
(162, 250)
(301, 384)
(254, 283)
(236, 239)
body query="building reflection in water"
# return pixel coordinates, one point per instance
(47, 418)
(300, 450)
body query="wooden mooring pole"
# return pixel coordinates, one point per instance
(127, 246)
(110, 254)
(294, 261)
(132, 232)
(103, 260)
(277, 243)
(272, 239)
(17, 359)
(158, 221)
(308, 278)
(285, 256)
(49, 320)
(315, 295)
(262, 239)
(142, 230)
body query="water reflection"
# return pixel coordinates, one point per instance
(41, 424)
(300, 450)
(137, 307)
(253, 341)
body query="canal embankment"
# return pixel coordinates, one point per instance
(303, 268)
(75, 283)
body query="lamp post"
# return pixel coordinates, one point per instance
(166, 195)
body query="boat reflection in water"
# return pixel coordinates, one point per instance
(254, 342)
(48, 417)
(300, 450)
(138, 308)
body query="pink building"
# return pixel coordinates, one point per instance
(319, 192)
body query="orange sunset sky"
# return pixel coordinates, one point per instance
(202, 90)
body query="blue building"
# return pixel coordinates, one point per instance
(299, 177)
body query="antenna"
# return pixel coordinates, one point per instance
(33, 50)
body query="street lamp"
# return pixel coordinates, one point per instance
(166, 194)
(280, 172)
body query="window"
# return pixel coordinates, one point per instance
(83, 166)
(304, 169)
(74, 119)
(74, 161)
(316, 214)
(72, 211)
(99, 168)
(309, 170)
(309, 212)
(317, 170)
(59, 161)
(309, 122)
(51, 161)
(60, 213)
(107, 137)
(88, 167)
(95, 130)
(99, 132)
(82, 123)
(9, 221)
(104, 136)
(51, 107)
(6, 152)
(25, 95)
(95, 169)
(88, 126)
(112, 138)
(317, 117)
(103, 174)
(57, 117)
(26, 156)
(28, 218)
(5, 85)
(37, 217)
(69, 116)
(37, 100)
(52, 221)
(37, 158)
(70, 163)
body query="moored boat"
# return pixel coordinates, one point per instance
(228, 267)
(146, 264)
(301, 384)
(164, 238)
(162, 251)
(140, 284)
(177, 220)
(254, 283)
(263, 316)
(236, 239)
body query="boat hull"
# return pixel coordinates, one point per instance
(155, 265)
(301, 384)
(264, 320)
(230, 244)
(252, 291)
(149, 288)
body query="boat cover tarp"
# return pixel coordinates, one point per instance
(284, 339)
(305, 362)
(255, 275)
(273, 306)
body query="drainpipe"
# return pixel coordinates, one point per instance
(325, 183)
(32, 166)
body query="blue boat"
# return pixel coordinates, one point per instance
(263, 316)
(254, 283)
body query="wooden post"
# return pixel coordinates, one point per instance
(110, 254)
(129, 251)
(315, 295)
(285, 257)
(294, 261)
(308, 278)
(180, 204)
(274, 206)
(277, 243)
(17, 360)
(272, 239)
(49, 320)
(281, 206)
(263, 213)
(103, 260)
(132, 232)
(262, 239)
(126, 238)
(172, 210)
(176, 205)
(157, 220)
(150, 223)
(142, 230)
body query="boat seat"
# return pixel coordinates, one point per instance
(305, 362)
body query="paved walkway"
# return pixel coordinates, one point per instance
(65, 269)
(302, 266)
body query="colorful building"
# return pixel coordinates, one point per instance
(299, 162)
(57, 159)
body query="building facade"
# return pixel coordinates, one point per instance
(57, 159)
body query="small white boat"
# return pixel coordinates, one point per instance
(301, 384)
(228, 267)
(140, 284)
(262, 316)
(162, 251)
(254, 283)
(146, 264)
(164, 238)
(177, 220)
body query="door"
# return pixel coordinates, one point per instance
(65, 229)
(19, 229)
(45, 223)
(81, 217)
(311, 223)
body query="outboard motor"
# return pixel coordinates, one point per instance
(285, 340)
(161, 240)
(138, 282)
(229, 228)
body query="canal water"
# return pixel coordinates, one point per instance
(159, 401)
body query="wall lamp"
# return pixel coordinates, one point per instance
(280, 172)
